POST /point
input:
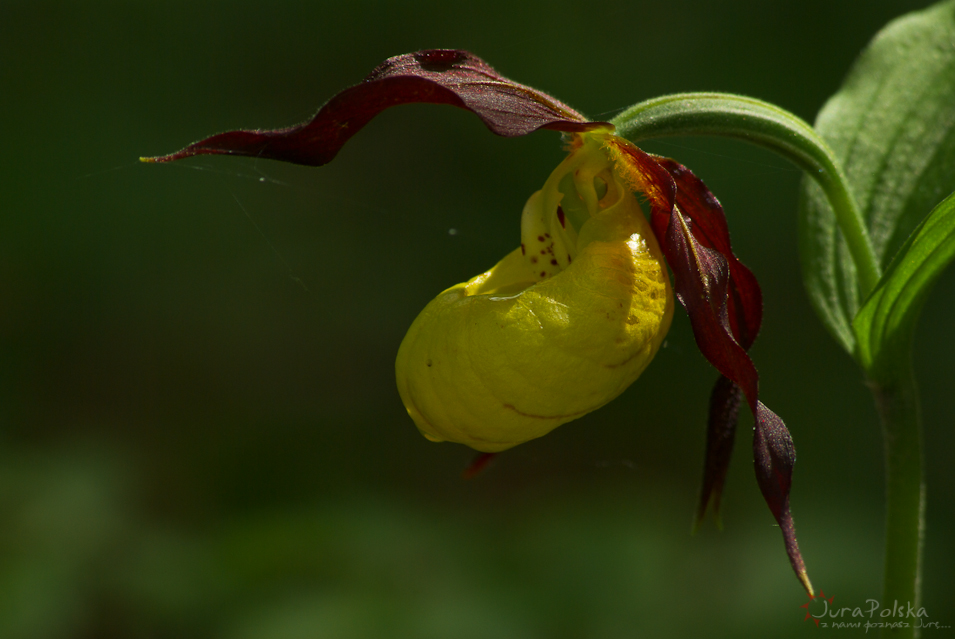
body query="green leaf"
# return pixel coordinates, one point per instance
(886, 324)
(892, 127)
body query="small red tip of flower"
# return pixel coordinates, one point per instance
(477, 465)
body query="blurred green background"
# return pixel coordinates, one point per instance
(199, 430)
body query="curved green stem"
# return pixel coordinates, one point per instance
(898, 404)
(768, 126)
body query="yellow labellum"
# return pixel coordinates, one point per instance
(556, 329)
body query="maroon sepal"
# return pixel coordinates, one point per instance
(773, 457)
(720, 434)
(724, 304)
(436, 76)
(745, 302)
(701, 284)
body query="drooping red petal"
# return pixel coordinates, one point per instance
(724, 304)
(436, 76)
(773, 457)
(745, 304)
(702, 283)
(720, 434)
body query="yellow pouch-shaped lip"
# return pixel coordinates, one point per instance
(500, 359)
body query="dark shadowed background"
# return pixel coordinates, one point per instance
(200, 434)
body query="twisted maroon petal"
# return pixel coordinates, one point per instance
(724, 304)
(745, 303)
(702, 284)
(773, 456)
(436, 76)
(720, 434)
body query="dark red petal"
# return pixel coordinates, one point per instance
(773, 457)
(701, 284)
(700, 205)
(720, 433)
(436, 76)
(745, 304)
(724, 303)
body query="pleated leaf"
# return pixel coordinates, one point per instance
(892, 127)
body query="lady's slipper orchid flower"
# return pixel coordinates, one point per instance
(564, 323)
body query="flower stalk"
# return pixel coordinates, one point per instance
(897, 401)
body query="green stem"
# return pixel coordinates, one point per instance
(768, 126)
(898, 404)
